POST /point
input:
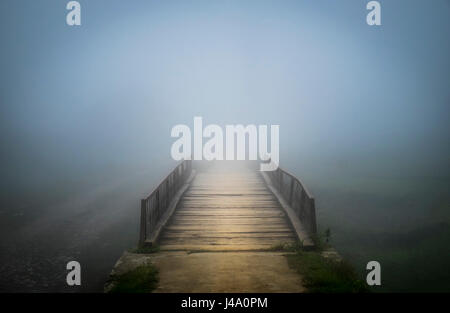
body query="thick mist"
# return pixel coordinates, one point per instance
(86, 114)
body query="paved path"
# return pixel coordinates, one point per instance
(225, 272)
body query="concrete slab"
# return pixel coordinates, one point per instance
(256, 272)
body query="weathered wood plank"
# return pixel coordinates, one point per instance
(227, 211)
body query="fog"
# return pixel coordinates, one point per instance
(86, 114)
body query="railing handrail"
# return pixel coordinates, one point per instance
(155, 205)
(299, 181)
(164, 179)
(295, 193)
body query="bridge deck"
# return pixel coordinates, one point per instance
(227, 210)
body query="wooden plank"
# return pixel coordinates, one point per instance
(227, 211)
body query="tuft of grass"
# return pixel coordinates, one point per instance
(287, 247)
(322, 275)
(146, 249)
(143, 279)
(321, 243)
(322, 240)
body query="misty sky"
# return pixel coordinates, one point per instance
(104, 96)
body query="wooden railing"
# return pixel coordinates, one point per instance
(297, 196)
(156, 204)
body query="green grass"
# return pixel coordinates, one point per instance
(322, 275)
(287, 247)
(146, 249)
(321, 243)
(142, 279)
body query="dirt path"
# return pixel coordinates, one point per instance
(225, 272)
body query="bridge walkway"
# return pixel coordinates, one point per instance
(227, 210)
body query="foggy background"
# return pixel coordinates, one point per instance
(86, 114)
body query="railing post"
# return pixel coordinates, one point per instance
(303, 199)
(167, 193)
(154, 206)
(143, 231)
(300, 201)
(312, 213)
(171, 185)
(158, 204)
(279, 179)
(291, 194)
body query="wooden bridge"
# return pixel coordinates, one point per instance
(216, 207)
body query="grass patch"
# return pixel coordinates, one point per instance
(146, 249)
(287, 247)
(321, 240)
(322, 275)
(142, 279)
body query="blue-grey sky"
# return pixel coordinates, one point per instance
(86, 114)
(104, 96)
